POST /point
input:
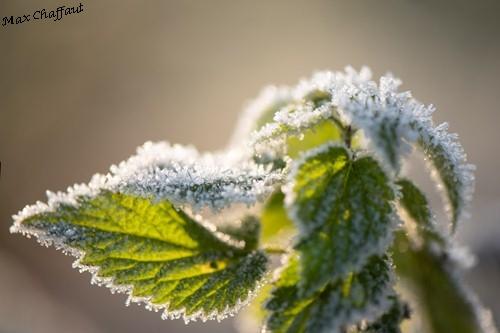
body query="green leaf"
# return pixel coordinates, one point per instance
(294, 142)
(387, 131)
(447, 304)
(274, 220)
(447, 173)
(387, 139)
(313, 137)
(343, 208)
(362, 295)
(390, 322)
(155, 252)
(316, 97)
(298, 126)
(415, 204)
(431, 273)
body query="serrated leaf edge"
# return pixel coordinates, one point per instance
(46, 240)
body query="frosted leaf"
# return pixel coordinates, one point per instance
(361, 296)
(291, 120)
(314, 137)
(449, 161)
(347, 98)
(431, 263)
(384, 115)
(415, 204)
(434, 275)
(342, 207)
(422, 228)
(185, 177)
(178, 174)
(392, 123)
(153, 252)
(390, 321)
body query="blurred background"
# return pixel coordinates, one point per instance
(82, 93)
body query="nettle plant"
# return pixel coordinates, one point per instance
(314, 179)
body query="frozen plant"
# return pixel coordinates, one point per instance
(313, 176)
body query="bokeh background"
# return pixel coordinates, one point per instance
(80, 94)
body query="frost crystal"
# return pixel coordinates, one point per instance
(185, 177)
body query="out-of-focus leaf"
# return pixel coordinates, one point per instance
(274, 219)
(415, 204)
(390, 322)
(447, 304)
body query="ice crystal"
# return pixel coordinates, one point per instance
(185, 177)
